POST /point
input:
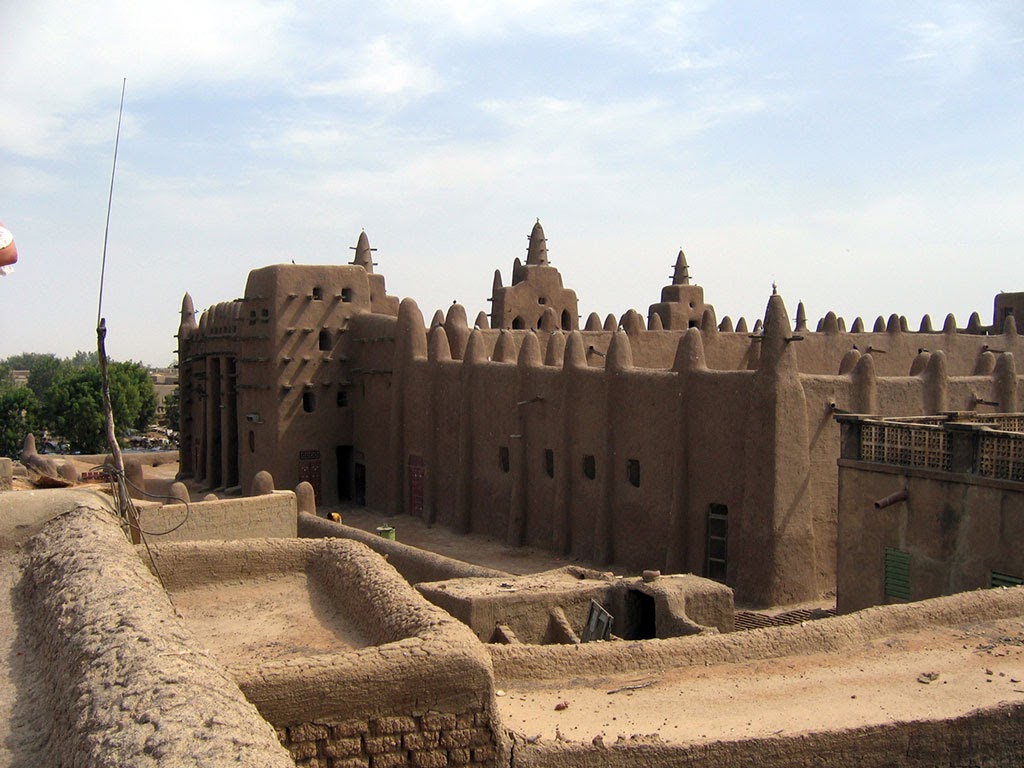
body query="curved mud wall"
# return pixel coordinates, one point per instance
(123, 681)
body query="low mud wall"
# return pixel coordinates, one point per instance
(251, 517)
(123, 681)
(422, 695)
(513, 662)
(991, 737)
(416, 565)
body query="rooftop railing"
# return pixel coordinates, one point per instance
(986, 445)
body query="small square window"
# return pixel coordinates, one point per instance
(342, 398)
(589, 467)
(346, 294)
(308, 401)
(503, 459)
(318, 293)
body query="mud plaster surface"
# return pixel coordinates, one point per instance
(267, 618)
(978, 666)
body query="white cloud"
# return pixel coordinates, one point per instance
(63, 62)
(382, 68)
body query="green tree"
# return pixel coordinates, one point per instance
(73, 409)
(132, 396)
(42, 369)
(19, 412)
(73, 406)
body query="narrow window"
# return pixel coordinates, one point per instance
(342, 398)
(325, 340)
(308, 402)
(897, 574)
(503, 459)
(518, 323)
(717, 542)
(252, 441)
(265, 315)
(346, 294)
(589, 467)
(633, 472)
(566, 320)
(542, 300)
(549, 462)
(318, 293)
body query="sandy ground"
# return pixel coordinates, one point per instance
(272, 617)
(934, 674)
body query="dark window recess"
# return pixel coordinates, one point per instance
(897, 574)
(717, 542)
(633, 472)
(566, 320)
(1005, 580)
(346, 294)
(308, 402)
(325, 340)
(503, 459)
(265, 315)
(342, 399)
(589, 467)
(549, 462)
(318, 293)
(518, 323)
(252, 441)
(542, 300)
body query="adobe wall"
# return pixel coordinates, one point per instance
(748, 441)
(6, 473)
(422, 694)
(531, 664)
(957, 529)
(117, 663)
(416, 565)
(988, 737)
(272, 515)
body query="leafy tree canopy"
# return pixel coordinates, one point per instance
(63, 397)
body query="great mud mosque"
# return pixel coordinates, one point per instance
(674, 441)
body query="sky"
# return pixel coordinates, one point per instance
(866, 157)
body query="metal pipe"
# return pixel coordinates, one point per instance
(892, 498)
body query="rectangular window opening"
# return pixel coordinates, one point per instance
(633, 472)
(503, 459)
(716, 565)
(589, 467)
(318, 293)
(549, 462)
(346, 294)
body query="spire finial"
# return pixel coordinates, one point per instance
(537, 253)
(364, 253)
(681, 273)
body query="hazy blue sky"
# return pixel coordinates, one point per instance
(866, 156)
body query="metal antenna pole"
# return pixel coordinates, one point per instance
(125, 508)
